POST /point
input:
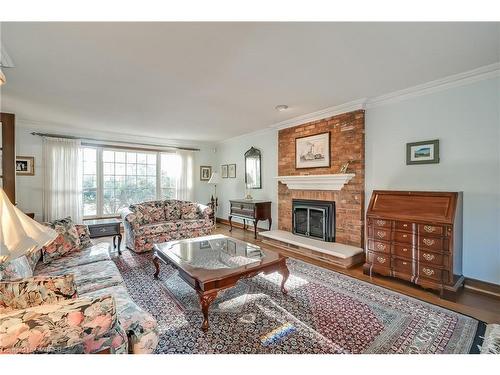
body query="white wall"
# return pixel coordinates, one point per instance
(29, 192)
(466, 122)
(206, 156)
(232, 152)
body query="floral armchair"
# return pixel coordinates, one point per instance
(161, 221)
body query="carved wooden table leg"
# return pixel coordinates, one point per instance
(205, 300)
(157, 266)
(284, 273)
(230, 223)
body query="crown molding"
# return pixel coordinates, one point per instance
(455, 80)
(354, 105)
(108, 136)
(246, 135)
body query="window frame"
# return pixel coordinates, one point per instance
(100, 177)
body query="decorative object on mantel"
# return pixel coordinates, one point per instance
(223, 170)
(343, 168)
(425, 152)
(312, 151)
(231, 171)
(25, 165)
(205, 172)
(316, 182)
(253, 178)
(214, 201)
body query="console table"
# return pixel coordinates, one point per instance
(106, 228)
(250, 209)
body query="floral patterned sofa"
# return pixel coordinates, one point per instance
(74, 303)
(161, 221)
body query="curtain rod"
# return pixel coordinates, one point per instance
(123, 142)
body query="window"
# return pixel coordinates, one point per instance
(89, 181)
(115, 178)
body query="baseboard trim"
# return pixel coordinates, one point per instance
(238, 224)
(483, 287)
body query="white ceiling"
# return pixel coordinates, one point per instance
(212, 81)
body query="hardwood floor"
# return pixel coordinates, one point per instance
(477, 305)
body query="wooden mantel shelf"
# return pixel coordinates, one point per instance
(316, 182)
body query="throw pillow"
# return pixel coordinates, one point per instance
(66, 242)
(189, 211)
(35, 291)
(18, 268)
(172, 210)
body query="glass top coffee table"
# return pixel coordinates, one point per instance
(213, 263)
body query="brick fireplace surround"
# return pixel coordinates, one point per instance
(347, 143)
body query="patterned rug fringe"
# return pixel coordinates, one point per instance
(491, 344)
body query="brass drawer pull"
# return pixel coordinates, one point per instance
(380, 222)
(381, 234)
(405, 225)
(428, 257)
(381, 259)
(381, 246)
(429, 229)
(405, 235)
(428, 241)
(428, 271)
(404, 263)
(405, 249)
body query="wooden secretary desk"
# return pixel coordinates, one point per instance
(416, 236)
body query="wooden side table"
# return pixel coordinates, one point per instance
(250, 209)
(106, 228)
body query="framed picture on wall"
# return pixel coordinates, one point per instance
(231, 171)
(25, 165)
(313, 151)
(223, 171)
(205, 172)
(424, 152)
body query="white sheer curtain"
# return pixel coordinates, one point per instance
(62, 193)
(184, 181)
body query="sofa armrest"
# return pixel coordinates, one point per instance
(36, 291)
(205, 211)
(129, 217)
(84, 234)
(83, 325)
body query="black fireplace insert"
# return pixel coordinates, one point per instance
(314, 219)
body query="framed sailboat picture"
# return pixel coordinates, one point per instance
(313, 151)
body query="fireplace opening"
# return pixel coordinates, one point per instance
(314, 219)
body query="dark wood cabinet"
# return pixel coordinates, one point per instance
(8, 155)
(253, 210)
(416, 236)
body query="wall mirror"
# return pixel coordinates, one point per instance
(253, 178)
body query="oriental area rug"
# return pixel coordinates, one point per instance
(324, 312)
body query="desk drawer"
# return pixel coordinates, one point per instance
(403, 237)
(431, 243)
(242, 212)
(379, 234)
(381, 223)
(379, 259)
(430, 229)
(380, 246)
(104, 230)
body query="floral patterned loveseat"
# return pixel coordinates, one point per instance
(161, 221)
(74, 303)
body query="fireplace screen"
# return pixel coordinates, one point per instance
(315, 219)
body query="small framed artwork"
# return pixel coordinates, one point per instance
(25, 165)
(312, 151)
(425, 152)
(205, 172)
(223, 170)
(231, 170)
